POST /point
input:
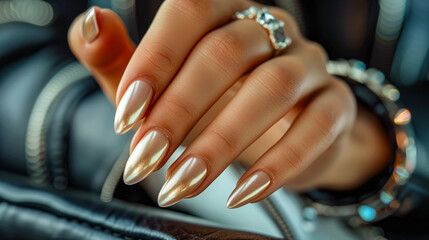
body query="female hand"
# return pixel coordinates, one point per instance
(194, 60)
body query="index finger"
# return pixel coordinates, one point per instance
(177, 27)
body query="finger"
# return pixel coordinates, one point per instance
(310, 136)
(216, 63)
(105, 49)
(269, 92)
(177, 27)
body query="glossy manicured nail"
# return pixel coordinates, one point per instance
(148, 153)
(90, 26)
(183, 181)
(132, 106)
(249, 190)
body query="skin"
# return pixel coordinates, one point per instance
(284, 115)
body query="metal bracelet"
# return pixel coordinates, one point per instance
(385, 202)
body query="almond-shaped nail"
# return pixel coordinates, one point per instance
(147, 154)
(132, 106)
(249, 189)
(90, 25)
(183, 181)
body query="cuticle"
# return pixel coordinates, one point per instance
(202, 157)
(270, 176)
(150, 83)
(167, 133)
(147, 81)
(164, 132)
(181, 160)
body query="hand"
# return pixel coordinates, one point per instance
(195, 66)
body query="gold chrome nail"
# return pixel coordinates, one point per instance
(90, 26)
(148, 153)
(249, 190)
(183, 181)
(132, 106)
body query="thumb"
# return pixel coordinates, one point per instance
(99, 39)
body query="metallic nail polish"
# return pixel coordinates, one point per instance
(147, 154)
(249, 190)
(132, 106)
(90, 26)
(183, 181)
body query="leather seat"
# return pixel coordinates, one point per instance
(32, 212)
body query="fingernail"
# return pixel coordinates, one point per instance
(90, 26)
(132, 106)
(183, 181)
(249, 190)
(148, 153)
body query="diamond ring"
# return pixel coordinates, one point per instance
(274, 27)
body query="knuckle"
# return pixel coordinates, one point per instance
(196, 9)
(343, 88)
(223, 139)
(161, 57)
(326, 120)
(282, 81)
(346, 96)
(293, 158)
(222, 48)
(179, 109)
(316, 50)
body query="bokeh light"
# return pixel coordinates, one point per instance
(29, 11)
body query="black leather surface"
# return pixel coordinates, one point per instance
(59, 130)
(20, 84)
(81, 146)
(29, 212)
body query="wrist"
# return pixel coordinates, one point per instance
(386, 197)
